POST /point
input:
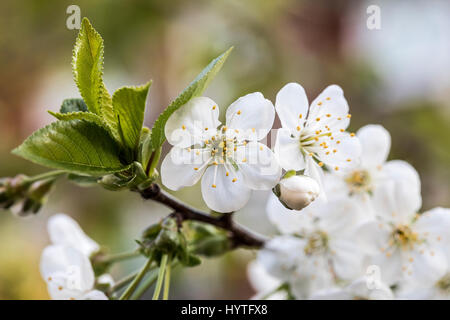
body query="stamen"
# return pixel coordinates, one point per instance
(321, 164)
(300, 116)
(319, 103)
(214, 107)
(317, 119)
(349, 116)
(239, 112)
(183, 127)
(328, 98)
(234, 180)
(298, 128)
(213, 186)
(206, 129)
(352, 134)
(336, 168)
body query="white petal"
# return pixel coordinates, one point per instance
(336, 107)
(390, 266)
(252, 114)
(376, 143)
(425, 268)
(392, 202)
(63, 230)
(407, 184)
(434, 226)
(181, 168)
(187, 125)
(314, 171)
(95, 295)
(348, 151)
(260, 279)
(292, 106)
(346, 257)
(287, 221)
(339, 217)
(69, 264)
(373, 237)
(260, 168)
(288, 152)
(360, 289)
(219, 191)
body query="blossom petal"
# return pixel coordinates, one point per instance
(260, 279)
(182, 168)
(376, 143)
(292, 106)
(373, 237)
(95, 295)
(425, 267)
(70, 264)
(407, 185)
(252, 114)
(63, 230)
(219, 191)
(260, 169)
(288, 152)
(342, 152)
(287, 221)
(347, 259)
(331, 108)
(186, 126)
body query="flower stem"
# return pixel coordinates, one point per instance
(154, 162)
(162, 269)
(123, 282)
(137, 280)
(46, 175)
(167, 280)
(117, 257)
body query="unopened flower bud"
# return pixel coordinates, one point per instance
(297, 191)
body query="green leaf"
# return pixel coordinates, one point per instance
(194, 89)
(73, 105)
(91, 117)
(129, 107)
(76, 146)
(87, 65)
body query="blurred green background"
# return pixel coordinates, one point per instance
(397, 76)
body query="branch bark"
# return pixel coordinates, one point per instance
(239, 236)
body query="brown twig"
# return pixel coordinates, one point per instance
(239, 236)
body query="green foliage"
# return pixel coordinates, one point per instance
(87, 65)
(129, 108)
(88, 116)
(73, 105)
(76, 146)
(194, 89)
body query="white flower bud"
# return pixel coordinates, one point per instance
(297, 192)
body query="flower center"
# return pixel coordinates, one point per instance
(404, 237)
(317, 243)
(359, 181)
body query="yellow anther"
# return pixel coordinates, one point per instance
(213, 186)
(316, 139)
(244, 160)
(317, 131)
(327, 153)
(206, 129)
(183, 127)
(300, 116)
(261, 148)
(224, 128)
(197, 153)
(214, 107)
(195, 169)
(348, 160)
(298, 128)
(337, 142)
(310, 154)
(236, 130)
(189, 149)
(253, 129)
(234, 180)
(319, 103)
(341, 130)
(328, 115)
(239, 112)
(235, 148)
(334, 151)
(349, 116)
(320, 164)
(339, 118)
(352, 134)
(227, 173)
(336, 168)
(215, 163)
(317, 119)
(328, 98)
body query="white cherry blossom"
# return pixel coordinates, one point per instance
(372, 170)
(314, 136)
(404, 244)
(229, 159)
(68, 274)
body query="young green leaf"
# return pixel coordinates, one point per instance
(129, 107)
(194, 89)
(87, 65)
(73, 105)
(91, 117)
(76, 146)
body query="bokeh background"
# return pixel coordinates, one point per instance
(397, 76)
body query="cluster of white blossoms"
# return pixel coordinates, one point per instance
(65, 264)
(365, 237)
